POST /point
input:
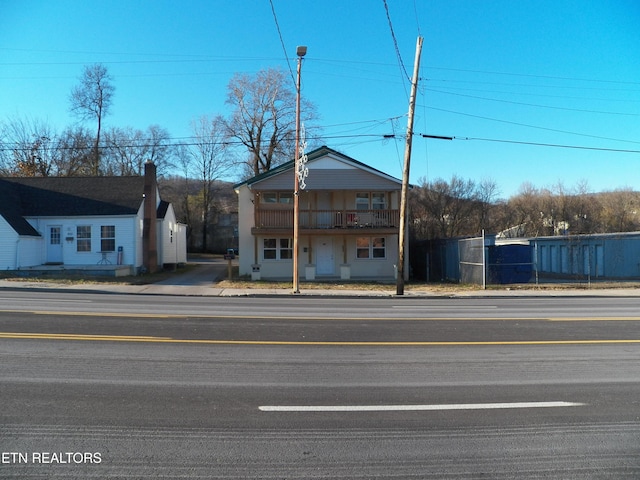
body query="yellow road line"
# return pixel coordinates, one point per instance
(594, 319)
(147, 339)
(74, 336)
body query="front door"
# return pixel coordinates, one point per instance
(324, 256)
(54, 244)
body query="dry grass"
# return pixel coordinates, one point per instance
(246, 283)
(344, 285)
(262, 284)
(67, 279)
(441, 288)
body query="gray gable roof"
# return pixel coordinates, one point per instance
(67, 197)
(10, 209)
(339, 180)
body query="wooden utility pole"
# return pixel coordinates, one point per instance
(405, 172)
(301, 51)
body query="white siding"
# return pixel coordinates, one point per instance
(139, 225)
(18, 251)
(181, 238)
(30, 251)
(8, 244)
(277, 268)
(172, 239)
(246, 249)
(125, 237)
(373, 267)
(329, 180)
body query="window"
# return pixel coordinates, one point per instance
(83, 235)
(269, 197)
(107, 238)
(277, 197)
(371, 247)
(286, 248)
(371, 201)
(362, 247)
(362, 201)
(277, 248)
(270, 251)
(378, 201)
(285, 197)
(55, 236)
(378, 249)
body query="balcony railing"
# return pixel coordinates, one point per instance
(323, 219)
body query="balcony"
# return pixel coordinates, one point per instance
(327, 221)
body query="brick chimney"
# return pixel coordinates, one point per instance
(149, 225)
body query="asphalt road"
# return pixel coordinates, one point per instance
(166, 387)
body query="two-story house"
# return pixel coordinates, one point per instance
(349, 219)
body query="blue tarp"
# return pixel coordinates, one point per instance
(509, 264)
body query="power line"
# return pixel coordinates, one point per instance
(162, 57)
(534, 75)
(531, 126)
(134, 62)
(284, 49)
(395, 42)
(531, 104)
(357, 138)
(379, 121)
(554, 145)
(532, 94)
(415, 11)
(532, 85)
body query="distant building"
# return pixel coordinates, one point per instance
(610, 255)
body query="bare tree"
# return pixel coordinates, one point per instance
(447, 209)
(555, 210)
(124, 153)
(161, 150)
(127, 149)
(526, 211)
(75, 147)
(486, 194)
(28, 148)
(583, 210)
(620, 210)
(183, 192)
(91, 99)
(207, 157)
(264, 117)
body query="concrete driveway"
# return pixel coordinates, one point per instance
(205, 272)
(199, 280)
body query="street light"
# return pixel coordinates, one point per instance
(301, 51)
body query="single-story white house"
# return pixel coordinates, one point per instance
(349, 219)
(88, 221)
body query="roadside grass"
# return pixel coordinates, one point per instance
(245, 282)
(60, 277)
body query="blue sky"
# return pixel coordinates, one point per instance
(497, 75)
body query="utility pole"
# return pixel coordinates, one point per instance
(405, 172)
(301, 51)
